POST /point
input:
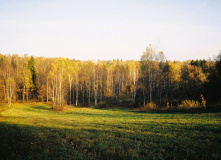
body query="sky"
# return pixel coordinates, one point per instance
(110, 29)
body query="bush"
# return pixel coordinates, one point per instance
(203, 101)
(188, 104)
(149, 107)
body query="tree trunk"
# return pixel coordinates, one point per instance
(101, 88)
(108, 83)
(27, 95)
(77, 90)
(53, 96)
(144, 99)
(47, 90)
(70, 94)
(23, 94)
(134, 80)
(73, 94)
(70, 88)
(150, 82)
(83, 91)
(89, 92)
(10, 95)
(76, 95)
(95, 89)
(60, 93)
(56, 92)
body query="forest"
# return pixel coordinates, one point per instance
(152, 80)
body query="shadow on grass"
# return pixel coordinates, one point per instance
(27, 142)
(209, 109)
(104, 115)
(30, 142)
(39, 107)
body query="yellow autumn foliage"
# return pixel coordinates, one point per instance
(187, 104)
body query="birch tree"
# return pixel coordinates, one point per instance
(147, 58)
(11, 88)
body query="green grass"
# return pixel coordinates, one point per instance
(33, 131)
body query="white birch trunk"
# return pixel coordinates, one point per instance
(76, 90)
(47, 90)
(10, 95)
(89, 92)
(73, 94)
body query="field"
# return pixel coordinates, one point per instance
(33, 131)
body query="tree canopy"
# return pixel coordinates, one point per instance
(68, 81)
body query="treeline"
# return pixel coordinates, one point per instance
(115, 82)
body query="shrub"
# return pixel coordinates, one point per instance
(203, 101)
(149, 107)
(188, 104)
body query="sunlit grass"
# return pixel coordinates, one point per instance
(33, 131)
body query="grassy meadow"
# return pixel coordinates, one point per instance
(34, 131)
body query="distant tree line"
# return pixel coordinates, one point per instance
(115, 82)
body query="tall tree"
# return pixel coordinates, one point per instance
(147, 59)
(70, 70)
(31, 66)
(25, 78)
(213, 85)
(160, 58)
(134, 75)
(11, 88)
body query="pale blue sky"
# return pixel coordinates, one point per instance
(110, 29)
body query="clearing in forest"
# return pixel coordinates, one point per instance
(33, 131)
